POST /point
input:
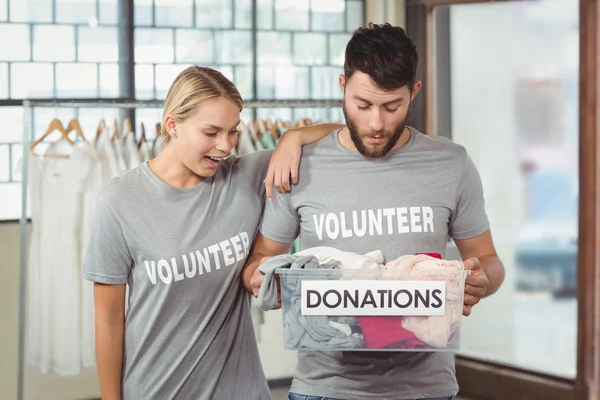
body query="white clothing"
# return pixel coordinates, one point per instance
(245, 144)
(131, 152)
(145, 153)
(34, 334)
(434, 330)
(55, 258)
(347, 259)
(119, 151)
(88, 192)
(108, 157)
(159, 145)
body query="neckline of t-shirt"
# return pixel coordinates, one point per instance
(165, 186)
(340, 146)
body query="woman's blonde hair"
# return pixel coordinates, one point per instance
(193, 86)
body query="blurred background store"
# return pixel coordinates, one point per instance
(502, 79)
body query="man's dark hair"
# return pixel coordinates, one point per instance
(385, 53)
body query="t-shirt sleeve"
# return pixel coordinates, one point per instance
(280, 221)
(255, 165)
(469, 218)
(107, 259)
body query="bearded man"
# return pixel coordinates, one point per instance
(378, 184)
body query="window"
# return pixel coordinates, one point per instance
(57, 49)
(64, 49)
(303, 47)
(170, 36)
(524, 139)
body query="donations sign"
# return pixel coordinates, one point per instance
(373, 297)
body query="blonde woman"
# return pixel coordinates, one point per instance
(177, 230)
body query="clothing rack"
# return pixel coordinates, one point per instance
(120, 103)
(28, 134)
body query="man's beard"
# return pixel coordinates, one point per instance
(377, 150)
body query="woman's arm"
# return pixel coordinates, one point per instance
(312, 133)
(109, 304)
(285, 161)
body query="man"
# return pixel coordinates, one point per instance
(420, 189)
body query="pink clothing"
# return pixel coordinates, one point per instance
(387, 332)
(435, 330)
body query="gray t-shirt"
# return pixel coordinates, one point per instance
(407, 202)
(188, 330)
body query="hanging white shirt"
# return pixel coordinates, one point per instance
(59, 284)
(108, 157)
(245, 144)
(159, 145)
(118, 145)
(88, 192)
(131, 152)
(34, 298)
(145, 153)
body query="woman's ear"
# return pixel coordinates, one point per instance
(170, 124)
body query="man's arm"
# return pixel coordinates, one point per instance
(487, 270)
(263, 249)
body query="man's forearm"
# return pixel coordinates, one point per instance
(251, 265)
(494, 269)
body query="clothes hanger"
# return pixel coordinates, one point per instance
(100, 129)
(158, 134)
(75, 126)
(242, 130)
(55, 125)
(262, 128)
(116, 130)
(280, 124)
(274, 132)
(142, 137)
(254, 134)
(127, 128)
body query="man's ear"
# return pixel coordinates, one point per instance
(416, 88)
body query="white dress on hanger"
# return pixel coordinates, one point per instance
(59, 283)
(119, 151)
(245, 145)
(88, 192)
(159, 145)
(145, 153)
(33, 317)
(108, 157)
(131, 152)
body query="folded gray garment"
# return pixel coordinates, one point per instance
(303, 331)
(267, 295)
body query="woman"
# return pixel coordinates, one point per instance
(177, 230)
